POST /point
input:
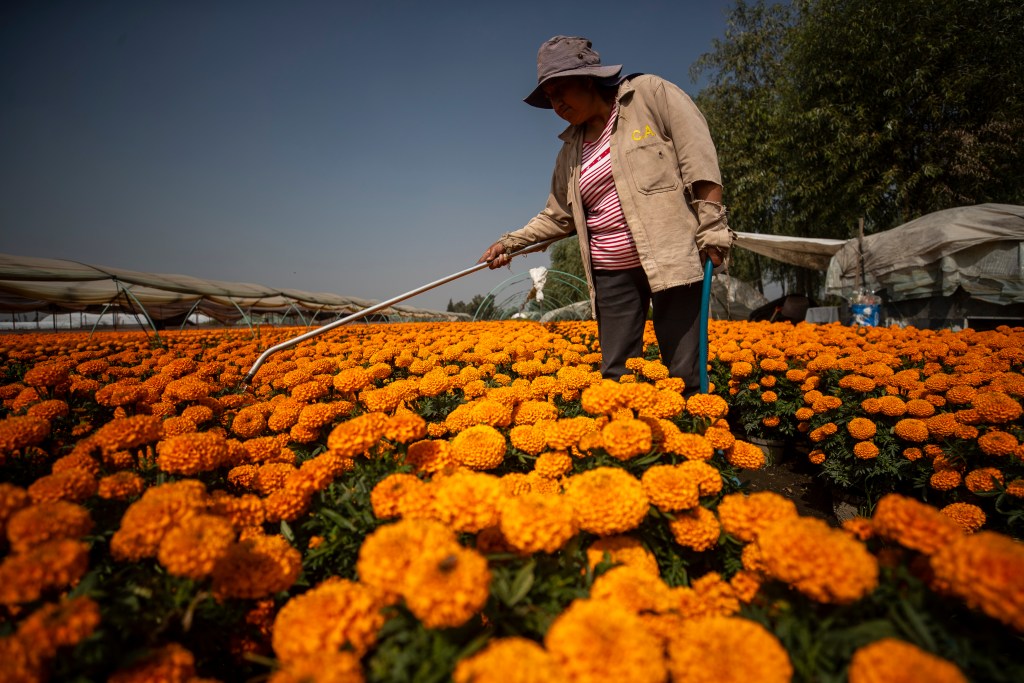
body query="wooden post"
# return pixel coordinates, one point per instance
(860, 252)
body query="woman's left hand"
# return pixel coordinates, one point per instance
(716, 254)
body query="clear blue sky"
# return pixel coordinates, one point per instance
(357, 148)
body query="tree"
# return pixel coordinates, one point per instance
(565, 257)
(828, 111)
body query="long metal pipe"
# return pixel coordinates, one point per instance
(287, 344)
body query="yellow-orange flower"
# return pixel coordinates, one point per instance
(607, 500)
(480, 447)
(622, 550)
(984, 569)
(467, 500)
(890, 660)
(446, 588)
(193, 548)
(913, 524)
(744, 516)
(625, 439)
(697, 529)
(970, 517)
(357, 435)
(507, 660)
(257, 567)
(536, 522)
(727, 650)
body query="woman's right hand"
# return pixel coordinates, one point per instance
(495, 256)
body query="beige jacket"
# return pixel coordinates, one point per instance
(660, 146)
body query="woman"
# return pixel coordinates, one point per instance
(637, 178)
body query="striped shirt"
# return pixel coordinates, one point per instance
(611, 243)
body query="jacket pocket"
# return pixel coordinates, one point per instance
(652, 167)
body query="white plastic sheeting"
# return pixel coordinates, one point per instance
(31, 284)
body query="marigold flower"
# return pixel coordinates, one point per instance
(709, 406)
(983, 479)
(697, 529)
(671, 487)
(690, 446)
(727, 649)
(945, 480)
(351, 380)
(24, 577)
(744, 516)
(36, 524)
(357, 435)
(745, 456)
(480, 447)
(865, 450)
(170, 662)
(242, 511)
(429, 455)
(188, 388)
(861, 428)
(719, 438)
(386, 497)
(189, 454)
(566, 433)
(823, 563)
(984, 570)
(507, 660)
(335, 614)
(56, 625)
(256, 567)
(21, 431)
(622, 550)
(552, 464)
(536, 522)
(76, 485)
(894, 660)
(193, 548)
(913, 524)
(148, 519)
(911, 429)
(995, 407)
(598, 640)
(467, 500)
(627, 438)
(336, 667)
(607, 500)
(970, 517)
(445, 589)
(388, 552)
(638, 590)
(997, 443)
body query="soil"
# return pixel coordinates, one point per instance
(793, 476)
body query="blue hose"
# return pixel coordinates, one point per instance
(705, 305)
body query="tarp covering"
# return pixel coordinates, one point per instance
(976, 248)
(29, 284)
(807, 252)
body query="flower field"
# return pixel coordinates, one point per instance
(472, 502)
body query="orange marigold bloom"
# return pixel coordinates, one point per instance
(386, 497)
(351, 380)
(536, 522)
(24, 577)
(920, 408)
(188, 388)
(671, 488)
(745, 456)
(741, 370)
(12, 499)
(189, 454)
(607, 500)
(256, 567)
(709, 406)
(622, 550)
(21, 431)
(467, 500)
(995, 407)
(49, 410)
(446, 588)
(945, 480)
(553, 464)
(865, 450)
(697, 529)
(969, 517)
(480, 447)
(894, 660)
(36, 524)
(690, 446)
(47, 374)
(861, 428)
(336, 667)
(566, 433)
(388, 552)
(911, 429)
(507, 660)
(823, 432)
(243, 511)
(983, 479)
(719, 648)
(627, 438)
(171, 663)
(823, 563)
(599, 640)
(857, 383)
(913, 524)
(997, 443)
(744, 516)
(892, 406)
(639, 591)
(429, 455)
(357, 435)
(941, 426)
(335, 614)
(75, 484)
(193, 548)
(719, 438)
(56, 625)
(984, 570)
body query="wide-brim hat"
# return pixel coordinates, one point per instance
(567, 56)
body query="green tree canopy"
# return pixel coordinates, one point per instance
(828, 111)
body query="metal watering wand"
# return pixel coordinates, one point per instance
(287, 344)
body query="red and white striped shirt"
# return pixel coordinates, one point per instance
(611, 243)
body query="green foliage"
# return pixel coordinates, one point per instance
(828, 111)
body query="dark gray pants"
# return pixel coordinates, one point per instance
(623, 298)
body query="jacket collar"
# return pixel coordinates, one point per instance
(624, 94)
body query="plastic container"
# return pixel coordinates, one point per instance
(864, 314)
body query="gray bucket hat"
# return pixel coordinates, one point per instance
(566, 56)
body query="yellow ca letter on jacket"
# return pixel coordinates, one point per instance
(641, 134)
